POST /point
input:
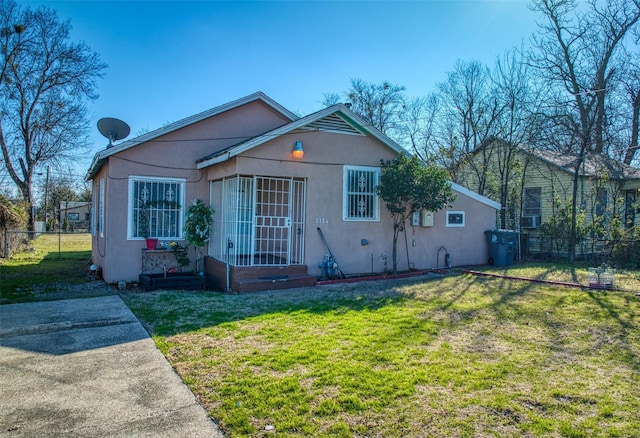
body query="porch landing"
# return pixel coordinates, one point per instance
(256, 278)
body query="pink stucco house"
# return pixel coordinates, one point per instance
(273, 179)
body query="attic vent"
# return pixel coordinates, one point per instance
(333, 123)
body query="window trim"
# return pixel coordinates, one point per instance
(101, 207)
(525, 207)
(375, 208)
(454, 225)
(154, 179)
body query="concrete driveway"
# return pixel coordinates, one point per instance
(86, 367)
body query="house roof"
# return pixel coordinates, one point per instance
(102, 155)
(594, 164)
(336, 118)
(67, 205)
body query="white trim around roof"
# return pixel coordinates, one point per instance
(101, 155)
(473, 195)
(351, 118)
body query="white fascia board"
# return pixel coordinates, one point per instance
(473, 195)
(263, 139)
(189, 121)
(352, 118)
(214, 160)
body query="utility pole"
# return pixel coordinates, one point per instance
(46, 196)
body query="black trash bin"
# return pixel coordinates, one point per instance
(502, 246)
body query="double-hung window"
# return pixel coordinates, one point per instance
(156, 207)
(532, 201)
(360, 197)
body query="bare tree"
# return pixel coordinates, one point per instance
(468, 118)
(46, 81)
(468, 98)
(575, 51)
(418, 125)
(631, 89)
(517, 124)
(379, 104)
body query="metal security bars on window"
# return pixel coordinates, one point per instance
(361, 199)
(157, 209)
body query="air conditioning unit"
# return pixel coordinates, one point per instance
(530, 221)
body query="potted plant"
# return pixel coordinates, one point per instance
(180, 253)
(197, 226)
(143, 219)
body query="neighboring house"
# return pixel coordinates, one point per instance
(75, 214)
(273, 179)
(541, 183)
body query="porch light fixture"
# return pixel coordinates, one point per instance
(298, 153)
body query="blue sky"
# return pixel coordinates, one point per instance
(168, 60)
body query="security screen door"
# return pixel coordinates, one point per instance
(262, 220)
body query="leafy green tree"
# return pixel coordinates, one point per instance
(407, 185)
(556, 229)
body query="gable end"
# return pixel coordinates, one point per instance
(333, 123)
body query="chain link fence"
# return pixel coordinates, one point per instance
(622, 252)
(12, 241)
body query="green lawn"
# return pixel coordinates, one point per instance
(456, 356)
(41, 272)
(578, 273)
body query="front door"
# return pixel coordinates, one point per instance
(259, 221)
(279, 218)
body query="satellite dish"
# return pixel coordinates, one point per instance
(113, 129)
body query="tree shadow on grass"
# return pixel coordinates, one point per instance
(626, 324)
(166, 313)
(460, 301)
(530, 304)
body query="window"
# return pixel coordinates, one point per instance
(360, 202)
(156, 208)
(94, 198)
(532, 201)
(455, 219)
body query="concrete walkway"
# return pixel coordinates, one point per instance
(86, 367)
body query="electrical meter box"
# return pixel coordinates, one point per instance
(426, 218)
(415, 219)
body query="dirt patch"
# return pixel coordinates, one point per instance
(64, 291)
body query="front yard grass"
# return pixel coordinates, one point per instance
(446, 356)
(41, 273)
(625, 279)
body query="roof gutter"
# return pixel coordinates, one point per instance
(214, 160)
